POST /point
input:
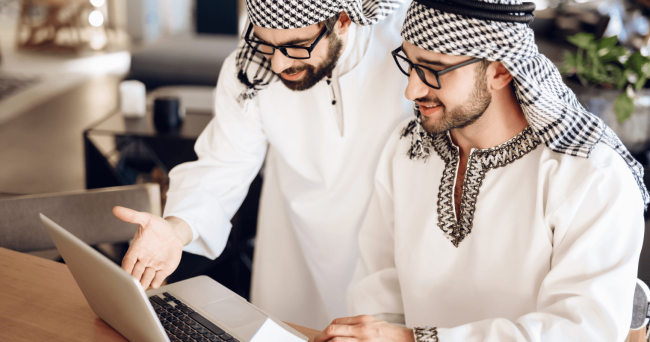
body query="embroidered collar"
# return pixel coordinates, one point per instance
(480, 161)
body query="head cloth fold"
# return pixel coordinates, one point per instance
(551, 108)
(254, 70)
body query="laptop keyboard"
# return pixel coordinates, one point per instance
(181, 323)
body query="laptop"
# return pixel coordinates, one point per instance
(197, 309)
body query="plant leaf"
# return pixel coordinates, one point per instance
(644, 68)
(607, 42)
(613, 54)
(641, 82)
(582, 40)
(619, 77)
(580, 64)
(624, 107)
(635, 61)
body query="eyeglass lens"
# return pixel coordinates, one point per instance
(292, 52)
(425, 75)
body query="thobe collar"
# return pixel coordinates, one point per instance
(480, 161)
(352, 55)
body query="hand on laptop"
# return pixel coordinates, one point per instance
(157, 246)
(364, 328)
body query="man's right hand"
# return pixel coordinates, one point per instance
(157, 246)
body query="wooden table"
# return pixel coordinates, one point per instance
(40, 301)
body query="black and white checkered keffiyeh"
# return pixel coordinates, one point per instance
(551, 108)
(254, 70)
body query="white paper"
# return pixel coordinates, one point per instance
(272, 332)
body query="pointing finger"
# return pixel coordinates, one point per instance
(130, 215)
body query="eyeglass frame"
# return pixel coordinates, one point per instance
(283, 48)
(419, 71)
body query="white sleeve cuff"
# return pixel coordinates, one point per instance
(190, 222)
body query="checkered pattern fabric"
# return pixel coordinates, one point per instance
(254, 70)
(551, 108)
(289, 14)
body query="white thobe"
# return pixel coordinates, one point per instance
(548, 244)
(318, 176)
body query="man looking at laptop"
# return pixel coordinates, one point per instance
(525, 223)
(324, 125)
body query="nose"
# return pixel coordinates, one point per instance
(416, 88)
(280, 62)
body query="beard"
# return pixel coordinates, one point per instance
(313, 74)
(463, 115)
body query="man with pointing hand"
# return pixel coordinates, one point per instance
(157, 246)
(319, 131)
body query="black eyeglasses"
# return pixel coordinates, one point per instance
(429, 76)
(291, 51)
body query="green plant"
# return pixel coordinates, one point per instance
(605, 64)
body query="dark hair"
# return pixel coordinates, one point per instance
(330, 23)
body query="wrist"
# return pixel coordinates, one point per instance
(181, 229)
(410, 335)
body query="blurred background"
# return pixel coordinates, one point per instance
(69, 124)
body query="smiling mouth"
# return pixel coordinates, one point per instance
(292, 76)
(429, 106)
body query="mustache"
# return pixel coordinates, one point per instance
(428, 101)
(296, 69)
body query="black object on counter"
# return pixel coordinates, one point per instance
(167, 113)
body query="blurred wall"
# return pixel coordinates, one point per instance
(148, 20)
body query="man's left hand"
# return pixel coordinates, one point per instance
(364, 328)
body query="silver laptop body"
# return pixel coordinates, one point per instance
(118, 299)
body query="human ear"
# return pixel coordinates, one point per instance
(343, 24)
(498, 75)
